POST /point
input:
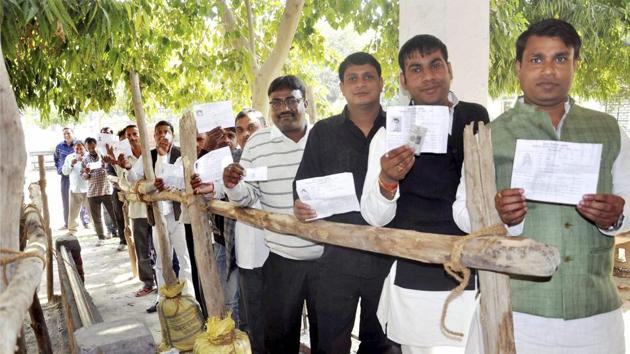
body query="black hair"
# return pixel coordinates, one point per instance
(243, 113)
(90, 141)
(163, 122)
(79, 142)
(290, 82)
(550, 27)
(107, 129)
(121, 132)
(424, 44)
(358, 58)
(70, 129)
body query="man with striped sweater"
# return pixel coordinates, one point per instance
(291, 272)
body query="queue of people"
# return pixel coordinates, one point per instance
(269, 278)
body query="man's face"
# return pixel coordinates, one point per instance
(245, 127)
(427, 78)
(91, 148)
(220, 137)
(288, 109)
(160, 136)
(68, 136)
(546, 71)
(361, 85)
(133, 135)
(79, 149)
(201, 141)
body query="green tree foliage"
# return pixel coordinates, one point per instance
(604, 26)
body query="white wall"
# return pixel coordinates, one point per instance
(463, 25)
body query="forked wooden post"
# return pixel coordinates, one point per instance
(160, 223)
(202, 234)
(46, 211)
(496, 298)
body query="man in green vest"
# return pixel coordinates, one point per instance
(577, 310)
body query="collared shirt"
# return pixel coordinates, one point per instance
(61, 151)
(77, 184)
(336, 145)
(137, 210)
(98, 185)
(271, 148)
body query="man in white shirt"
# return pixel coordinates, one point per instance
(291, 271)
(78, 186)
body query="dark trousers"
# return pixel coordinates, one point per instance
(65, 197)
(119, 216)
(190, 245)
(288, 283)
(142, 236)
(337, 301)
(95, 211)
(252, 282)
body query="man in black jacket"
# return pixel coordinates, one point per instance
(341, 144)
(417, 194)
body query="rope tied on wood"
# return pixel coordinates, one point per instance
(16, 256)
(461, 273)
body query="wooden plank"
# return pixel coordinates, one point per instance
(46, 211)
(199, 220)
(514, 255)
(495, 302)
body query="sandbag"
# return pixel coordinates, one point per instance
(180, 318)
(221, 337)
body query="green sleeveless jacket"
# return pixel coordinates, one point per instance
(583, 285)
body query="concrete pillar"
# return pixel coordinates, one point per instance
(463, 25)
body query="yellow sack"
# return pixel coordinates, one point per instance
(180, 318)
(222, 338)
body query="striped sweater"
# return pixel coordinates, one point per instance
(281, 155)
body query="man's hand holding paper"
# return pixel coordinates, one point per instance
(555, 171)
(424, 128)
(328, 195)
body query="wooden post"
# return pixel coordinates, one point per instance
(46, 211)
(38, 324)
(18, 295)
(202, 234)
(496, 295)
(166, 253)
(131, 244)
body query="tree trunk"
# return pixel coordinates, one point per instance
(45, 210)
(496, 296)
(13, 157)
(166, 252)
(202, 234)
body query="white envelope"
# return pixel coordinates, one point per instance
(329, 195)
(211, 115)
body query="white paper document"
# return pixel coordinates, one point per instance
(555, 171)
(95, 165)
(173, 175)
(104, 139)
(435, 119)
(255, 174)
(329, 195)
(211, 115)
(122, 147)
(210, 166)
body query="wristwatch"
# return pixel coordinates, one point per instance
(617, 225)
